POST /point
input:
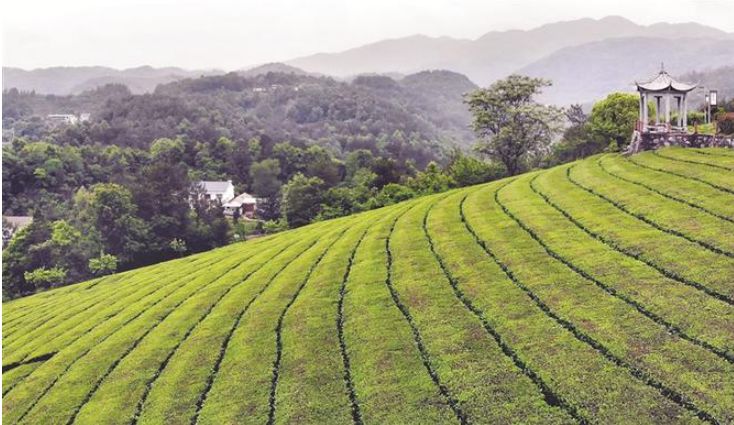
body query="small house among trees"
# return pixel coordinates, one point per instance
(242, 205)
(222, 191)
(12, 224)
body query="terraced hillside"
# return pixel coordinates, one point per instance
(596, 292)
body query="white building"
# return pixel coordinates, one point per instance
(62, 118)
(222, 191)
(12, 224)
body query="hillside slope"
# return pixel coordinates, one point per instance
(595, 292)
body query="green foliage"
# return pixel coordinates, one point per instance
(696, 117)
(46, 278)
(64, 234)
(613, 119)
(516, 130)
(266, 185)
(274, 226)
(357, 160)
(577, 142)
(431, 180)
(178, 246)
(725, 124)
(123, 233)
(103, 265)
(393, 193)
(242, 229)
(466, 170)
(167, 150)
(338, 202)
(302, 199)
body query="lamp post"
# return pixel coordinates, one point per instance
(705, 102)
(713, 95)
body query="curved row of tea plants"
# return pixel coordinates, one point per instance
(600, 291)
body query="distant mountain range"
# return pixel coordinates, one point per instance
(721, 79)
(591, 71)
(144, 79)
(496, 53)
(76, 79)
(585, 59)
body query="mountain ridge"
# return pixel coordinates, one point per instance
(483, 60)
(492, 55)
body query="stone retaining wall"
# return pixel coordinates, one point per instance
(650, 141)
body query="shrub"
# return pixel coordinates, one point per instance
(726, 125)
(46, 278)
(274, 226)
(103, 265)
(696, 117)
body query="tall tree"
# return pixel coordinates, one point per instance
(122, 232)
(302, 198)
(162, 196)
(514, 127)
(266, 186)
(612, 120)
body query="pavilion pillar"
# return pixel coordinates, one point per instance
(645, 112)
(667, 110)
(685, 112)
(657, 110)
(679, 121)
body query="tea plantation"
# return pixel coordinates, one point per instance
(600, 291)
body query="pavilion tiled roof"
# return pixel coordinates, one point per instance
(664, 82)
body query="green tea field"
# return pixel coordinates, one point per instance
(600, 291)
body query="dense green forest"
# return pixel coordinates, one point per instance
(426, 108)
(112, 193)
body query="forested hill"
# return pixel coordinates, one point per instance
(594, 292)
(425, 110)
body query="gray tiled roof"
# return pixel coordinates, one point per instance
(215, 186)
(664, 82)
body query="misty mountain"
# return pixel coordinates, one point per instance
(77, 79)
(721, 79)
(493, 55)
(272, 67)
(585, 58)
(584, 73)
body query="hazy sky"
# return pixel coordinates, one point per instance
(231, 34)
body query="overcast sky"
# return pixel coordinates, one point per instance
(232, 34)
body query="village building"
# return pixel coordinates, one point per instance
(13, 224)
(55, 119)
(67, 119)
(222, 191)
(243, 205)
